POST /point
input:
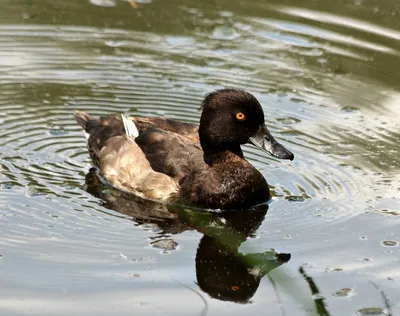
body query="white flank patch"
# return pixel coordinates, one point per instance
(130, 127)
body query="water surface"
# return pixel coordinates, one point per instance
(327, 75)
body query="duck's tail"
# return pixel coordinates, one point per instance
(83, 118)
(86, 121)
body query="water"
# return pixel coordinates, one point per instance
(327, 76)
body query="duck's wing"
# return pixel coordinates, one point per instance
(120, 159)
(187, 130)
(99, 130)
(170, 153)
(124, 165)
(170, 147)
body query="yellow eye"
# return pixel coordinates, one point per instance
(240, 116)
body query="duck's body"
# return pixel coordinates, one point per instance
(200, 165)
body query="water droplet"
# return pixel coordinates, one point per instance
(136, 275)
(349, 109)
(295, 198)
(344, 292)
(371, 311)
(390, 243)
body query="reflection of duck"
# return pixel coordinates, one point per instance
(143, 211)
(196, 165)
(221, 270)
(228, 275)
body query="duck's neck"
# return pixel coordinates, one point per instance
(217, 150)
(216, 155)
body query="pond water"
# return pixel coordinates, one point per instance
(327, 74)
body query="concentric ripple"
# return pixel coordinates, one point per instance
(114, 70)
(107, 70)
(115, 80)
(327, 78)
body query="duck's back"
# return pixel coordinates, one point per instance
(100, 130)
(136, 164)
(169, 152)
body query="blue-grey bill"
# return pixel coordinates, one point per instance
(264, 140)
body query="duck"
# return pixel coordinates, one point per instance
(199, 165)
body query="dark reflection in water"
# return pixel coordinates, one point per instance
(319, 301)
(222, 270)
(226, 274)
(142, 211)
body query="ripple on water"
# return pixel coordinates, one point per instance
(115, 80)
(308, 69)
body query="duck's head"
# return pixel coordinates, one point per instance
(232, 117)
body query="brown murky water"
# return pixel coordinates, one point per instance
(327, 74)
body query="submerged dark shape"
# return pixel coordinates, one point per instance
(221, 270)
(198, 165)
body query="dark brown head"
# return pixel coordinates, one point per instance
(232, 117)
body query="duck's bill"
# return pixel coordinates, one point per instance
(264, 140)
